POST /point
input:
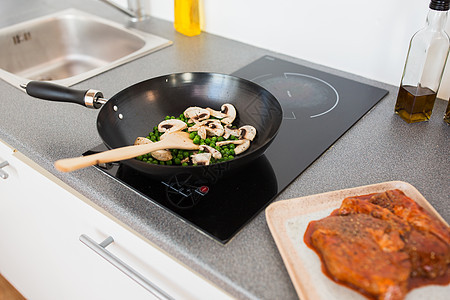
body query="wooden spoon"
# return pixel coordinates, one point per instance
(175, 140)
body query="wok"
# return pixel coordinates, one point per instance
(135, 110)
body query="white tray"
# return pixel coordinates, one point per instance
(288, 219)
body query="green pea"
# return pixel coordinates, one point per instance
(177, 161)
(184, 164)
(192, 135)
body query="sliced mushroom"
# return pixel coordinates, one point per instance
(216, 114)
(201, 159)
(142, 141)
(195, 113)
(211, 126)
(202, 133)
(185, 160)
(242, 145)
(215, 130)
(228, 131)
(230, 111)
(171, 125)
(214, 127)
(197, 125)
(214, 152)
(247, 132)
(236, 142)
(212, 123)
(162, 155)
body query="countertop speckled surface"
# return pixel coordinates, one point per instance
(380, 147)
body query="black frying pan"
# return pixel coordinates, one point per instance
(137, 109)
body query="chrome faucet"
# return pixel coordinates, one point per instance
(136, 9)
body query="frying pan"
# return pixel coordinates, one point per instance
(135, 110)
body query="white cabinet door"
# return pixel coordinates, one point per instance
(41, 254)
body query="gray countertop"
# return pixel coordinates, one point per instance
(380, 147)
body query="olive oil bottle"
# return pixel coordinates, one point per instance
(415, 103)
(187, 17)
(424, 66)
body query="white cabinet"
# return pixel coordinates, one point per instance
(41, 221)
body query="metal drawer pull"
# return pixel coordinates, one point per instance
(3, 174)
(141, 280)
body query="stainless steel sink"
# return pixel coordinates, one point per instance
(68, 47)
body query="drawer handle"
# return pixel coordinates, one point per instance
(3, 174)
(119, 264)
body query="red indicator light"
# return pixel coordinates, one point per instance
(203, 189)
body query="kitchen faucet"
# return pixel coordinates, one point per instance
(135, 9)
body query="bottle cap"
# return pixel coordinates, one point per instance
(442, 5)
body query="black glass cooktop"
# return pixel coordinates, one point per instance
(318, 108)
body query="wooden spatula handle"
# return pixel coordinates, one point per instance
(72, 164)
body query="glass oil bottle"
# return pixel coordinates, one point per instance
(424, 67)
(187, 17)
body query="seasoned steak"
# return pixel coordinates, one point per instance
(377, 243)
(353, 249)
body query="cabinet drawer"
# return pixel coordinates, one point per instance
(41, 254)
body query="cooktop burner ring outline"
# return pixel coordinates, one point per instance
(289, 94)
(261, 76)
(320, 80)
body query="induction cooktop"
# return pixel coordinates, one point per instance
(318, 108)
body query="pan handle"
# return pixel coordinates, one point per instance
(53, 92)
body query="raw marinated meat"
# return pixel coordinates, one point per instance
(382, 245)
